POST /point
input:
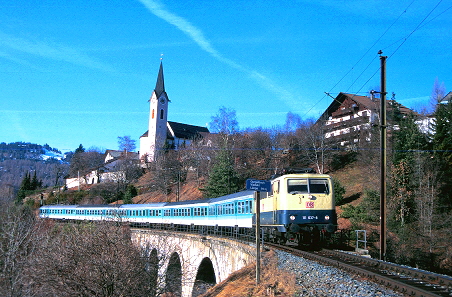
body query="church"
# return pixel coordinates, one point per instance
(161, 132)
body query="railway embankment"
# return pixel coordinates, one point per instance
(314, 279)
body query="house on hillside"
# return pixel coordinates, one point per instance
(349, 118)
(112, 154)
(447, 98)
(113, 170)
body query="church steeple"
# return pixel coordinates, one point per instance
(160, 84)
(154, 141)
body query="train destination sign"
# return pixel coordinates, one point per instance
(258, 185)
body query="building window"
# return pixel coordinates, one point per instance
(161, 114)
(152, 113)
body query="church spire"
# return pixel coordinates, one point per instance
(160, 85)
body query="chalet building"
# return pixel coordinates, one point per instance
(349, 118)
(447, 98)
(161, 132)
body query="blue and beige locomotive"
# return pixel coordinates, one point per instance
(299, 208)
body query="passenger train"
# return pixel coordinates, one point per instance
(298, 209)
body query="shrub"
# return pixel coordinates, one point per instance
(339, 191)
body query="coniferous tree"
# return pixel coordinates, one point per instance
(28, 184)
(24, 187)
(80, 149)
(131, 192)
(442, 152)
(223, 178)
(34, 183)
(407, 141)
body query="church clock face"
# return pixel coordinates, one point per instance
(162, 101)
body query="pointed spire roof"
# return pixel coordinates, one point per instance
(160, 85)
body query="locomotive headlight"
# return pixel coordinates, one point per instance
(292, 218)
(327, 218)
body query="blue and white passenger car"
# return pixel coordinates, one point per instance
(299, 208)
(235, 210)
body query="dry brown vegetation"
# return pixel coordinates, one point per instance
(242, 283)
(189, 190)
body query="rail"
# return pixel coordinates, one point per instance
(407, 280)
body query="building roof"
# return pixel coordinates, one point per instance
(116, 155)
(113, 153)
(182, 131)
(185, 131)
(367, 102)
(447, 98)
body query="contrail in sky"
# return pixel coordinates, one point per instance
(50, 51)
(197, 36)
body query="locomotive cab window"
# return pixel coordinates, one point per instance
(305, 186)
(297, 186)
(318, 186)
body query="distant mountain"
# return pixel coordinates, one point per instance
(18, 158)
(29, 151)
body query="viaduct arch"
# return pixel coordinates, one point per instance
(180, 262)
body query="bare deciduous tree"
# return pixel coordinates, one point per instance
(18, 234)
(126, 143)
(83, 162)
(254, 157)
(225, 124)
(88, 260)
(438, 93)
(312, 145)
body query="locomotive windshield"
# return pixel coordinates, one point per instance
(305, 186)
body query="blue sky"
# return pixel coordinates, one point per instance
(82, 71)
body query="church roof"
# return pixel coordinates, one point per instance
(182, 131)
(160, 84)
(185, 131)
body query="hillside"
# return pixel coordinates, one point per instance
(189, 190)
(355, 179)
(18, 158)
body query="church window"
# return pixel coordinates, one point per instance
(161, 114)
(152, 113)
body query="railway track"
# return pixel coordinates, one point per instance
(406, 280)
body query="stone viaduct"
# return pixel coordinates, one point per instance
(183, 263)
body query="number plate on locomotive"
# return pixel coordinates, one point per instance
(309, 204)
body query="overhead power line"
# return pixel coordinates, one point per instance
(360, 59)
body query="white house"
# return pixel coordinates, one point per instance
(111, 171)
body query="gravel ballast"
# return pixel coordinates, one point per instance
(315, 279)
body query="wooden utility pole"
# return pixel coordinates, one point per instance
(383, 158)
